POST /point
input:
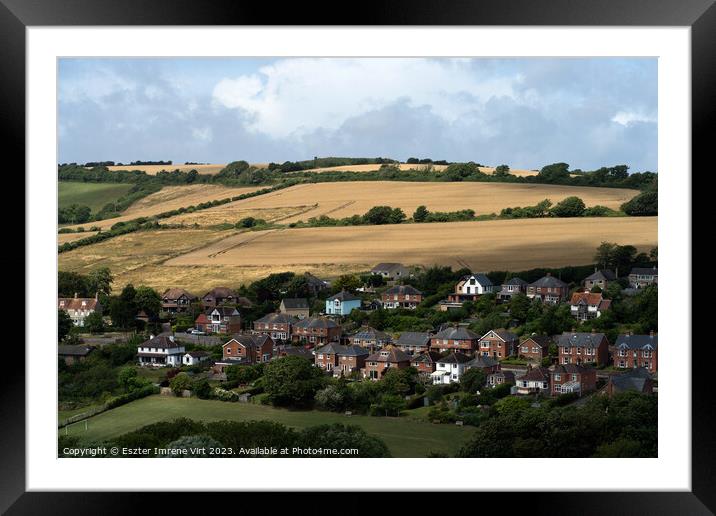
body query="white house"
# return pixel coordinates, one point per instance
(79, 307)
(194, 357)
(450, 368)
(474, 284)
(160, 351)
(536, 380)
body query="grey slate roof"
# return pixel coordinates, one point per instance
(455, 358)
(390, 354)
(354, 351)
(569, 369)
(549, 281)
(542, 340)
(224, 311)
(602, 275)
(458, 333)
(645, 271)
(315, 322)
(428, 357)
(160, 341)
(249, 339)
(295, 303)
(343, 296)
(413, 338)
(332, 348)
(505, 335)
(387, 267)
(637, 341)
(634, 380)
(582, 340)
(536, 374)
(368, 333)
(403, 289)
(481, 278)
(482, 362)
(277, 319)
(515, 281)
(75, 351)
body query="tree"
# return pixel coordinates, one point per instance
(127, 377)
(501, 171)
(339, 436)
(64, 325)
(122, 308)
(100, 281)
(148, 300)
(94, 322)
(334, 397)
(570, 207)
(642, 205)
(179, 383)
(399, 381)
(654, 253)
(378, 215)
(347, 282)
(473, 380)
(603, 255)
(421, 213)
(519, 306)
(391, 404)
(292, 381)
(554, 172)
(192, 446)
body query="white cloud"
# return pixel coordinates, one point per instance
(626, 118)
(301, 95)
(204, 134)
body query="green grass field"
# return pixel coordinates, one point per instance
(405, 436)
(94, 195)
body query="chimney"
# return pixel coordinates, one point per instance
(594, 331)
(75, 295)
(548, 274)
(574, 330)
(171, 337)
(651, 333)
(96, 296)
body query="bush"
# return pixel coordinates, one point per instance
(569, 207)
(132, 396)
(224, 395)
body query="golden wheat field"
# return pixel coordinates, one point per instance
(344, 199)
(171, 198)
(153, 169)
(71, 237)
(405, 166)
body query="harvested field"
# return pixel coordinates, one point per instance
(71, 237)
(485, 245)
(355, 198)
(171, 198)
(153, 169)
(405, 166)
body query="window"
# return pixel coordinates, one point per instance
(557, 377)
(525, 349)
(228, 351)
(557, 388)
(579, 351)
(574, 377)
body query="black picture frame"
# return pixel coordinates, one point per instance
(16, 15)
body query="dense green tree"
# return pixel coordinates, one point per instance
(501, 171)
(180, 382)
(339, 436)
(644, 204)
(64, 325)
(192, 446)
(100, 281)
(420, 214)
(148, 300)
(71, 283)
(334, 397)
(378, 215)
(555, 172)
(292, 381)
(473, 380)
(348, 282)
(94, 322)
(570, 207)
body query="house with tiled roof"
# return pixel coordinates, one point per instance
(498, 344)
(535, 381)
(390, 271)
(350, 359)
(177, 300)
(401, 296)
(222, 319)
(637, 379)
(160, 351)
(534, 348)
(511, 287)
(390, 357)
(470, 288)
(191, 358)
(599, 278)
(455, 338)
(369, 338)
(342, 303)
(500, 378)
(414, 342)
(573, 378)
(586, 305)
(296, 307)
(548, 289)
(450, 368)
(315, 285)
(583, 348)
(73, 354)
(249, 348)
(78, 308)
(219, 296)
(640, 277)
(425, 362)
(631, 351)
(278, 326)
(315, 331)
(326, 357)
(488, 364)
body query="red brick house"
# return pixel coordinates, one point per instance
(631, 351)
(249, 348)
(511, 288)
(177, 300)
(425, 362)
(600, 278)
(278, 326)
(534, 348)
(500, 378)
(455, 338)
(350, 359)
(573, 378)
(488, 364)
(583, 348)
(498, 344)
(586, 305)
(316, 331)
(548, 289)
(387, 358)
(73, 354)
(413, 342)
(223, 319)
(326, 357)
(401, 296)
(536, 380)
(369, 338)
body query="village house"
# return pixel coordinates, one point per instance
(640, 277)
(413, 342)
(573, 378)
(78, 308)
(631, 351)
(470, 288)
(455, 338)
(342, 303)
(249, 348)
(488, 364)
(177, 300)
(498, 344)
(278, 326)
(548, 289)
(316, 331)
(219, 296)
(341, 360)
(369, 338)
(510, 288)
(600, 278)
(377, 364)
(500, 378)
(450, 368)
(583, 348)
(326, 357)
(314, 284)
(534, 381)
(586, 305)
(637, 379)
(222, 319)
(534, 348)
(286, 350)
(73, 354)
(191, 358)
(426, 362)
(160, 351)
(295, 307)
(390, 271)
(401, 296)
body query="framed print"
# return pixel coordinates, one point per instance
(416, 253)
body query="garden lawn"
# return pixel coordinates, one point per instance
(405, 437)
(94, 195)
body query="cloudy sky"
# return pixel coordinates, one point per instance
(521, 112)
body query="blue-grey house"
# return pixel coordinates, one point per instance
(342, 303)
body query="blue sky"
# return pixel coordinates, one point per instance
(525, 112)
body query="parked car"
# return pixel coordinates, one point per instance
(197, 332)
(189, 330)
